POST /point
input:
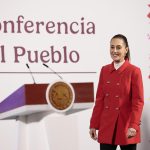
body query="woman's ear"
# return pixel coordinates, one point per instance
(127, 49)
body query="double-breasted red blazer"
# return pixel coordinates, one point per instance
(119, 103)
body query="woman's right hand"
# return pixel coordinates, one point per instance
(93, 133)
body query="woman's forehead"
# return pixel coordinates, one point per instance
(117, 41)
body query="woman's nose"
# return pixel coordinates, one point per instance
(115, 50)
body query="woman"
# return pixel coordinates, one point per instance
(119, 100)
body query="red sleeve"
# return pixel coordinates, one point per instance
(98, 107)
(137, 99)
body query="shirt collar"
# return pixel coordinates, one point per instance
(118, 65)
(122, 67)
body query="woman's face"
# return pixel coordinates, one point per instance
(118, 50)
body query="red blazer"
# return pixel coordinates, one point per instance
(119, 104)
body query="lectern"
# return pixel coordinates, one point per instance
(31, 98)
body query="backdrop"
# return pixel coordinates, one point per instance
(69, 36)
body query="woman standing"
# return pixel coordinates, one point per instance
(119, 100)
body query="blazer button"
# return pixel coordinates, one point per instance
(117, 83)
(117, 96)
(107, 94)
(108, 82)
(117, 108)
(106, 107)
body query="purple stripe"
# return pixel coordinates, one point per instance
(16, 99)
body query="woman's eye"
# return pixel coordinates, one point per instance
(118, 48)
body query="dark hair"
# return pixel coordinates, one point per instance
(122, 37)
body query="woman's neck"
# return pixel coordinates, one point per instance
(118, 64)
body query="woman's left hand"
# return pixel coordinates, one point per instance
(131, 132)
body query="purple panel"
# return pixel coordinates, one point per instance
(16, 99)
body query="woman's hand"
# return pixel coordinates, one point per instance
(131, 132)
(93, 133)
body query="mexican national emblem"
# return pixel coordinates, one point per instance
(60, 96)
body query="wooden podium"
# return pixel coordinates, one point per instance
(30, 98)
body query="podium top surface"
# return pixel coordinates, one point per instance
(35, 94)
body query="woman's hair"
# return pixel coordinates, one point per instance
(122, 37)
